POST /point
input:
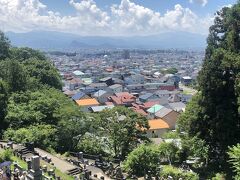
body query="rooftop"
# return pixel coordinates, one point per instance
(87, 102)
(155, 108)
(157, 124)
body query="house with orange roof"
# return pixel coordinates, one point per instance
(86, 103)
(157, 127)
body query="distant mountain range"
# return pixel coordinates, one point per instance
(46, 40)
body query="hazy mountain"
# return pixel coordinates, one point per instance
(46, 40)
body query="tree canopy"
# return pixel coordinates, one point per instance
(213, 115)
(4, 46)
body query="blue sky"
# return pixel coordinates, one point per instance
(110, 17)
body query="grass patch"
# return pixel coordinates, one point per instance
(57, 171)
(19, 161)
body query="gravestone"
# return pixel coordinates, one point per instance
(119, 174)
(35, 173)
(30, 146)
(29, 164)
(80, 157)
(10, 144)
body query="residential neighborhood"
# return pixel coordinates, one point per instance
(148, 82)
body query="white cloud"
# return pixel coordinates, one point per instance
(202, 2)
(126, 18)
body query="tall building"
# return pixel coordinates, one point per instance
(126, 54)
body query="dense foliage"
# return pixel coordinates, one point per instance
(149, 157)
(143, 159)
(33, 109)
(4, 46)
(177, 173)
(123, 129)
(234, 154)
(41, 135)
(213, 115)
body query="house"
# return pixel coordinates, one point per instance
(79, 95)
(186, 80)
(122, 98)
(134, 79)
(107, 80)
(116, 88)
(86, 103)
(147, 97)
(87, 81)
(174, 98)
(74, 83)
(118, 81)
(139, 111)
(152, 111)
(185, 97)
(69, 93)
(165, 93)
(159, 86)
(169, 116)
(88, 90)
(102, 96)
(137, 88)
(149, 104)
(78, 73)
(177, 106)
(98, 86)
(157, 127)
(100, 108)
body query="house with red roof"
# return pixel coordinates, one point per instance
(122, 98)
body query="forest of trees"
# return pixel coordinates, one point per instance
(34, 109)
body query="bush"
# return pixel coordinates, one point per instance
(234, 154)
(171, 135)
(142, 159)
(177, 173)
(168, 151)
(91, 145)
(219, 176)
(5, 155)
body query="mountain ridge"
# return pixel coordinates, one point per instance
(50, 40)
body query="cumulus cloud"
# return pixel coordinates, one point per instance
(126, 18)
(202, 2)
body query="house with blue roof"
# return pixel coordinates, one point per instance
(79, 95)
(148, 97)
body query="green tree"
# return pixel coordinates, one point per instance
(172, 71)
(215, 117)
(168, 151)
(122, 128)
(91, 144)
(43, 106)
(194, 147)
(142, 159)
(234, 154)
(4, 46)
(5, 155)
(3, 102)
(25, 53)
(71, 130)
(43, 136)
(44, 72)
(177, 173)
(14, 74)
